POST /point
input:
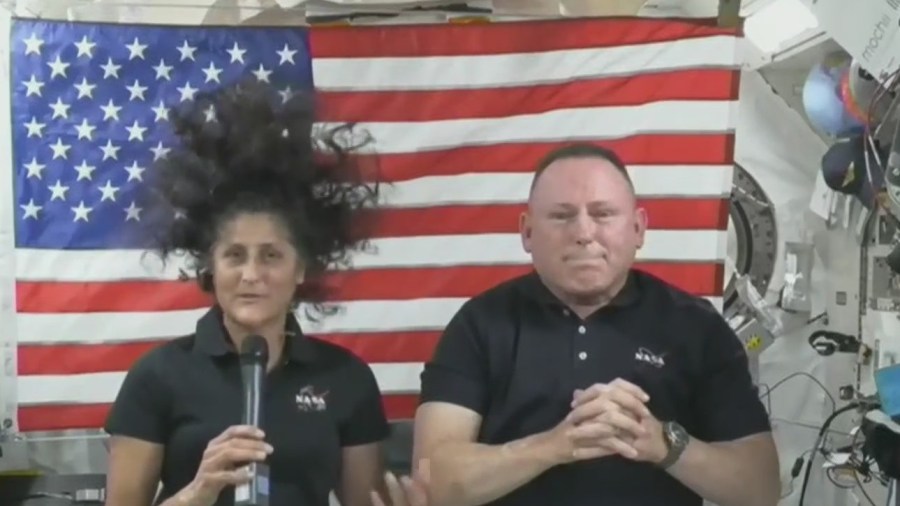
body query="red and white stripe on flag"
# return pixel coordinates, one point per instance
(461, 115)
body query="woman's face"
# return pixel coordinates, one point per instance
(256, 270)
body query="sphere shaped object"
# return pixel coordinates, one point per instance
(823, 101)
(858, 92)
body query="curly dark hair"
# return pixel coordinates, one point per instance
(243, 149)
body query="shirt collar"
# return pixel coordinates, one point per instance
(212, 339)
(535, 288)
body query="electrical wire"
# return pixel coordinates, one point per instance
(862, 488)
(801, 459)
(816, 318)
(795, 471)
(870, 148)
(809, 426)
(852, 464)
(820, 439)
(767, 395)
(857, 462)
(891, 84)
(858, 467)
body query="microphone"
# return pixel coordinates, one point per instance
(254, 359)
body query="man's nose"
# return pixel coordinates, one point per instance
(583, 228)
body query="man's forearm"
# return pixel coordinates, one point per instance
(739, 473)
(470, 474)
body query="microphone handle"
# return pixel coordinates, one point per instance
(253, 375)
(255, 493)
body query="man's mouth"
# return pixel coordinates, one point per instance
(584, 260)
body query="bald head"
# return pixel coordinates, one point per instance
(582, 226)
(582, 151)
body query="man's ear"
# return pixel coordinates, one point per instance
(640, 225)
(525, 231)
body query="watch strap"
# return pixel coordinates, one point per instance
(676, 441)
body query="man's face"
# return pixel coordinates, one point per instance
(583, 228)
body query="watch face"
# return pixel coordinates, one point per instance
(677, 440)
(676, 434)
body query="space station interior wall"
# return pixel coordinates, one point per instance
(778, 148)
(782, 152)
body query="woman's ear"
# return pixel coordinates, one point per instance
(301, 274)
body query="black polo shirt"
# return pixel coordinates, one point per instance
(184, 393)
(515, 354)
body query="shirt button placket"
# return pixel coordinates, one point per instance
(582, 355)
(583, 375)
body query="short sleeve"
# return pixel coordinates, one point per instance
(142, 405)
(366, 422)
(727, 405)
(457, 372)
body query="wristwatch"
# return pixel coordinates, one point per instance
(676, 438)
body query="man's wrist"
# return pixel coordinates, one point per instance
(676, 440)
(661, 452)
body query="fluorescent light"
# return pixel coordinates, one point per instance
(777, 23)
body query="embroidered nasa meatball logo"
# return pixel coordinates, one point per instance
(308, 400)
(648, 357)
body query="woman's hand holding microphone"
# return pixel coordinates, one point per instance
(224, 464)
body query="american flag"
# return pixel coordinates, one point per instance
(460, 113)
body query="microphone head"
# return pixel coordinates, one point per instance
(255, 349)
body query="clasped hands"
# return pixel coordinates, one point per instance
(610, 419)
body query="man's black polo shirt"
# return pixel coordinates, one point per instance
(184, 393)
(515, 354)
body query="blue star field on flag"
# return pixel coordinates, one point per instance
(89, 110)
